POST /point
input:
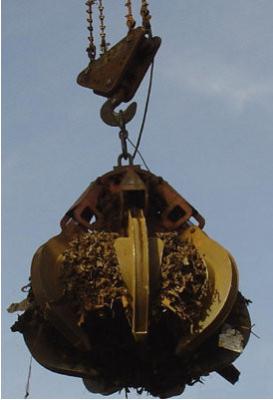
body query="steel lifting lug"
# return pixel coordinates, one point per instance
(112, 118)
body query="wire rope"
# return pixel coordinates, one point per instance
(28, 379)
(145, 110)
(139, 153)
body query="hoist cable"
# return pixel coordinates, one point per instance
(28, 379)
(139, 153)
(145, 110)
(30, 362)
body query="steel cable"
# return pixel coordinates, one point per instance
(145, 110)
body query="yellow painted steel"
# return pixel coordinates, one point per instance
(223, 281)
(134, 257)
(140, 261)
(45, 278)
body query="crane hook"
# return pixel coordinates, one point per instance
(112, 118)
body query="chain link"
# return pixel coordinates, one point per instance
(123, 135)
(146, 16)
(130, 21)
(103, 44)
(91, 49)
(129, 17)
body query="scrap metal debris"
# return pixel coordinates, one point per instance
(91, 276)
(92, 279)
(184, 280)
(231, 339)
(22, 306)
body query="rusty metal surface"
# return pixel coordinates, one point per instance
(105, 74)
(121, 69)
(112, 118)
(165, 209)
(139, 67)
(178, 210)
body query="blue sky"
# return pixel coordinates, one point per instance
(209, 132)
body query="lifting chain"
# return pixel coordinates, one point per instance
(144, 12)
(130, 21)
(146, 16)
(103, 43)
(91, 49)
(123, 135)
(129, 17)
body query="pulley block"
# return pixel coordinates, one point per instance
(120, 70)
